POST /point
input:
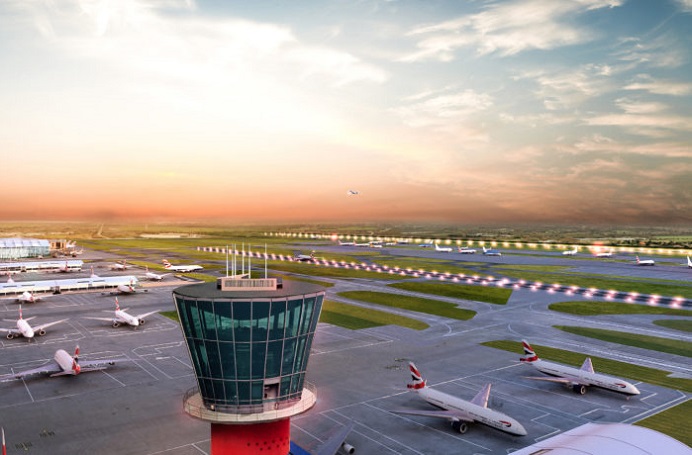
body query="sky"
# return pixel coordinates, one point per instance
(533, 111)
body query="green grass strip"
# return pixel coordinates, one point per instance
(673, 422)
(435, 307)
(354, 317)
(601, 365)
(675, 324)
(486, 294)
(667, 345)
(173, 315)
(582, 308)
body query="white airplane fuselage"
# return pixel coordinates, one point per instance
(581, 377)
(65, 361)
(25, 329)
(473, 411)
(121, 317)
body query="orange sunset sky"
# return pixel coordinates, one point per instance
(578, 111)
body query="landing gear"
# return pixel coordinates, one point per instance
(461, 427)
(579, 388)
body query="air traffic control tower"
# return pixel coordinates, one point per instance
(249, 341)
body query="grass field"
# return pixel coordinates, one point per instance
(602, 365)
(436, 307)
(667, 345)
(458, 291)
(674, 422)
(675, 324)
(354, 317)
(582, 308)
(170, 315)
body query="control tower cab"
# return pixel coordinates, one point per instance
(249, 341)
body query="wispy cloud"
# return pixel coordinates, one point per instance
(647, 83)
(507, 28)
(434, 108)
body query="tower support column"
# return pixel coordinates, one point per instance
(265, 438)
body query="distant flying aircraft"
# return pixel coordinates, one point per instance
(491, 252)
(122, 317)
(578, 378)
(445, 249)
(466, 250)
(460, 412)
(25, 330)
(154, 276)
(63, 364)
(645, 261)
(572, 252)
(352, 192)
(180, 268)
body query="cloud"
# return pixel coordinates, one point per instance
(663, 51)
(507, 29)
(659, 86)
(640, 107)
(434, 108)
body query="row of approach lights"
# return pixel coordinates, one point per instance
(469, 243)
(448, 276)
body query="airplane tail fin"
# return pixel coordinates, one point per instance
(418, 381)
(166, 264)
(637, 259)
(529, 354)
(117, 305)
(689, 262)
(4, 448)
(75, 361)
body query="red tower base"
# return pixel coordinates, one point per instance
(266, 438)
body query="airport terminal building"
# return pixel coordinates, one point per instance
(249, 341)
(15, 248)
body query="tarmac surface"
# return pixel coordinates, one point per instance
(135, 406)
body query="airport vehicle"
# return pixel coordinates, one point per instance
(491, 252)
(122, 317)
(119, 265)
(154, 276)
(466, 250)
(304, 257)
(180, 268)
(645, 261)
(578, 378)
(605, 254)
(460, 412)
(63, 364)
(571, 252)
(25, 330)
(445, 249)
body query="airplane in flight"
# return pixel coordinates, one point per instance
(352, 193)
(645, 261)
(605, 254)
(466, 250)
(460, 412)
(119, 265)
(154, 276)
(572, 252)
(25, 330)
(180, 268)
(578, 378)
(305, 257)
(63, 364)
(491, 252)
(122, 317)
(445, 249)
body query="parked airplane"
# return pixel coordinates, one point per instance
(154, 276)
(122, 317)
(305, 257)
(346, 243)
(25, 330)
(491, 252)
(461, 412)
(645, 261)
(125, 288)
(445, 249)
(570, 252)
(63, 364)
(362, 244)
(604, 254)
(119, 265)
(466, 250)
(180, 268)
(28, 297)
(578, 378)
(75, 253)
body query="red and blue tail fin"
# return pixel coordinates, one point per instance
(418, 381)
(529, 354)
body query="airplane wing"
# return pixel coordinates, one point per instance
(144, 315)
(52, 367)
(562, 380)
(45, 326)
(11, 331)
(100, 319)
(101, 364)
(449, 415)
(334, 443)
